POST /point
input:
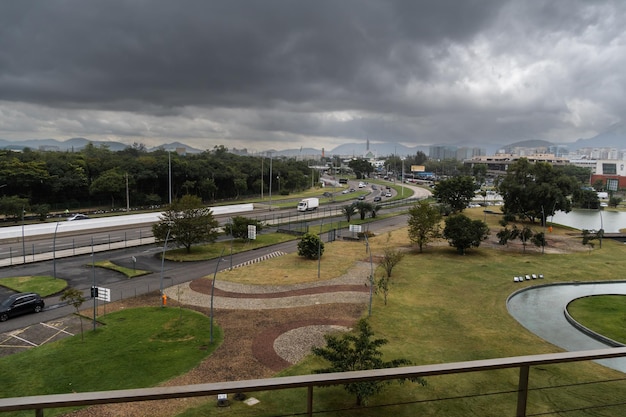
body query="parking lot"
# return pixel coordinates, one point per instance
(19, 340)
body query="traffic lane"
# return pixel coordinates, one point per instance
(78, 272)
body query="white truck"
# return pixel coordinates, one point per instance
(308, 204)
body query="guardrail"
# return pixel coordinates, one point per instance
(522, 363)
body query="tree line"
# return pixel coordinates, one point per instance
(99, 177)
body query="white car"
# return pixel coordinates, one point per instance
(77, 217)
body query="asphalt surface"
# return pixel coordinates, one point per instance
(80, 274)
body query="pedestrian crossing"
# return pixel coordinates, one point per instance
(261, 259)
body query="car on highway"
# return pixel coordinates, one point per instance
(21, 303)
(77, 217)
(377, 199)
(388, 195)
(362, 197)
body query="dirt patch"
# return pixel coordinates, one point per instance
(246, 353)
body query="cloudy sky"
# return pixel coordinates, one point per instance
(283, 74)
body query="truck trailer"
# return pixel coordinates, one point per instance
(308, 204)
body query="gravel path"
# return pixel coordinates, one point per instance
(266, 330)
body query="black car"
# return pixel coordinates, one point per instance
(22, 303)
(377, 198)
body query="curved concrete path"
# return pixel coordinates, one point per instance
(541, 310)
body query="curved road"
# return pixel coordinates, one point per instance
(541, 310)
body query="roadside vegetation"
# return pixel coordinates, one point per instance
(43, 285)
(137, 347)
(128, 272)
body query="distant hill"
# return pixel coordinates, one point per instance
(613, 137)
(76, 144)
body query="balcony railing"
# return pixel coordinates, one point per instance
(523, 363)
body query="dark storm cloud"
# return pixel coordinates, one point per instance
(419, 71)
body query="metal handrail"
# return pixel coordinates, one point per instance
(42, 402)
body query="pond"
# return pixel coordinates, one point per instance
(610, 221)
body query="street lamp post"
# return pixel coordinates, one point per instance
(163, 266)
(169, 175)
(402, 177)
(270, 181)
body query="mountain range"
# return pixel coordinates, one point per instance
(613, 137)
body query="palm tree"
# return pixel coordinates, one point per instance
(363, 208)
(348, 211)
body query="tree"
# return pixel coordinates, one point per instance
(464, 233)
(41, 210)
(361, 167)
(614, 201)
(348, 211)
(310, 246)
(585, 198)
(391, 258)
(75, 298)
(535, 191)
(358, 352)
(188, 221)
(111, 182)
(363, 207)
(590, 235)
(13, 206)
(375, 209)
(456, 192)
(238, 226)
(424, 221)
(383, 285)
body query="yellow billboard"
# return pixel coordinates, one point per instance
(418, 168)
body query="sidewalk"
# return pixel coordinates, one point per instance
(66, 253)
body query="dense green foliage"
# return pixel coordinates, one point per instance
(310, 246)
(238, 227)
(72, 179)
(186, 222)
(423, 223)
(536, 191)
(358, 352)
(456, 192)
(361, 167)
(464, 233)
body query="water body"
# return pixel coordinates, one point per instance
(610, 221)
(541, 309)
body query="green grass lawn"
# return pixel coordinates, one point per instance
(43, 285)
(135, 348)
(129, 272)
(444, 307)
(604, 314)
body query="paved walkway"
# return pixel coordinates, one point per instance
(352, 287)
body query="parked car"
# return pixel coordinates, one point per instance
(21, 303)
(77, 217)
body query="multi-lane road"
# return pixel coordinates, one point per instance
(79, 272)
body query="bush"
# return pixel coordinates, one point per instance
(310, 246)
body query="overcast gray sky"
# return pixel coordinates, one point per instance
(283, 74)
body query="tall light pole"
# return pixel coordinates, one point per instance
(169, 175)
(163, 266)
(402, 177)
(270, 181)
(262, 160)
(127, 195)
